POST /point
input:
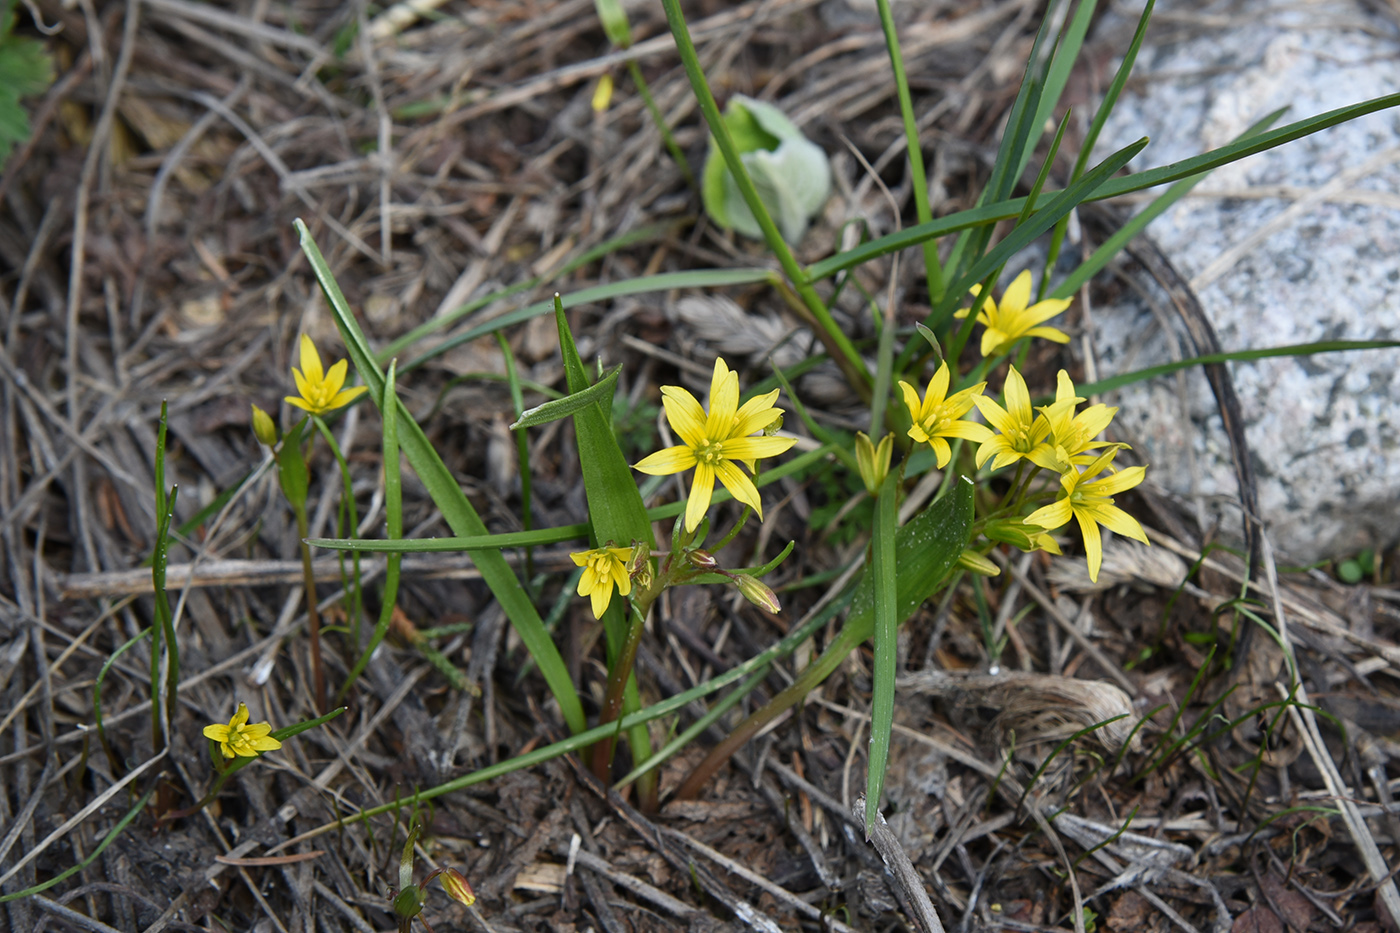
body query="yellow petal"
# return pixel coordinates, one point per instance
(1017, 294)
(757, 448)
(1119, 522)
(257, 730)
(1051, 516)
(227, 749)
(668, 461)
(294, 400)
(1093, 545)
(580, 558)
(701, 490)
(994, 413)
(937, 388)
(240, 717)
(941, 450)
(967, 430)
(1120, 481)
(218, 732)
(992, 339)
(335, 378)
(755, 414)
(311, 360)
(1018, 398)
(1052, 334)
(589, 582)
(266, 744)
(685, 415)
(739, 485)
(911, 400)
(724, 402)
(600, 598)
(346, 397)
(620, 577)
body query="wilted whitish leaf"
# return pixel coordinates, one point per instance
(791, 173)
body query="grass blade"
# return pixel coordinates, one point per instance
(448, 496)
(885, 580)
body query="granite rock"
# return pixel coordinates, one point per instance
(1295, 245)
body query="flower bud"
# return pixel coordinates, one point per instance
(456, 887)
(978, 563)
(263, 428)
(701, 559)
(602, 93)
(757, 592)
(873, 462)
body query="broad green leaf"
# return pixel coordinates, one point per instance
(461, 516)
(789, 171)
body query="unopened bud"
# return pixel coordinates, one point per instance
(774, 426)
(873, 461)
(702, 559)
(978, 563)
(263, 428)
(602, 93)
(757, 592)
(456, 887)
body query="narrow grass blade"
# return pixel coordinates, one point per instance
(107, 840)
(1110, 247)
(662, 282)
(917, 174)
(1149, 178)
(885, 580)
(448, 496)
(622, 241)
(393, 510)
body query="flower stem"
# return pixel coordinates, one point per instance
(617, 681)
(313, 618)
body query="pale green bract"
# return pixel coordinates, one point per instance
(791, 173)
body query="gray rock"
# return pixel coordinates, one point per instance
(1274, 264)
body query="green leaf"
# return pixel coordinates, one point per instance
(461, 517)
(26, 69)
(615, 507)
(614, 20)
(885, 576)
(600, 393)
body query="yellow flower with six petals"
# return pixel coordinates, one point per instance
(241, 739)
(321, 390)
(940, 415)
(1023, 434)
(1090, 502)
(603, 567)
(1073, 436)
(713, 441)
(1011, 320)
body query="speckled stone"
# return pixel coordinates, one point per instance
(1323, 429)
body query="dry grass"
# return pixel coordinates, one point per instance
(146, 241)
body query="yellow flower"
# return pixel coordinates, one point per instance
(1073, 436)
(1090, 502)
(239, 739)
(602, 567)
(939, 415)
(1023, 434)
(321, 390)
(1012, 320)
(713, 441)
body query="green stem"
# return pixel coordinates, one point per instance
(933, 268)
(351, 518)
(618, 677)
(313, 617)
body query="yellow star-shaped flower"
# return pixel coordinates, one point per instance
(1024, 435)
(603, 567)
(239, 738)
(321, 390)
(714, 441)
(940, 415)
(1073, 436)
(1011, 320)
(1090, 502)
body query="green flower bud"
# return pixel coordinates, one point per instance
(978, 563)
(263, 428)
(757, 592)
(874, 462)
(456, 886)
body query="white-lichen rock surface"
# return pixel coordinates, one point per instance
(1296, 245)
